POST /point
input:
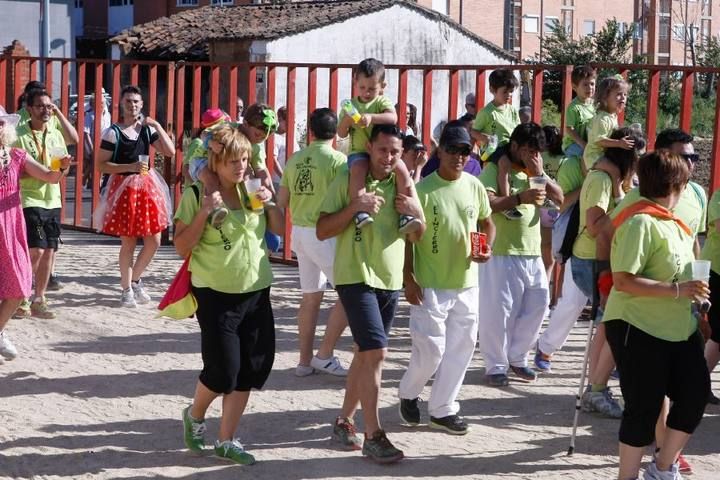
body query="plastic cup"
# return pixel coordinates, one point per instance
(538, 183)
(701, 270)
(252, 185)
(145, 160)
(56, 156)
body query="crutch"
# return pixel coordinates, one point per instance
(583, 374)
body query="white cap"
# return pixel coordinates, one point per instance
(11, 119)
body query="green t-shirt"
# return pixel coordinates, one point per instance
(499, 121)
(257, 160)
(373, 255)
(570, 176)
(596, 192)
(35, 192)
(307, 176)
(691, 207)
(600, 128)
(360, 136)
(578, 116)
(452, 210)
(54, 121)
(196, 149)
(514, 237)
(551, 164)
(711, 248)
(659, 250)
(230, 259)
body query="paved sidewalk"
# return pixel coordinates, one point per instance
(97, 393)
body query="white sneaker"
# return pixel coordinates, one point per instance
(330, 365)
(303, 370)
(7, 349)
(141, 296)
(127, 299)
(652, 472)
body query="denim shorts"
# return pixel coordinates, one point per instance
(353, 157)
(370, 313)
(583, 273)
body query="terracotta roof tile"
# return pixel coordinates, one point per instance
(185, 35)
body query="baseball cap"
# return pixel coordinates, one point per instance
(470, 99)
(211, 117)
(455, 135)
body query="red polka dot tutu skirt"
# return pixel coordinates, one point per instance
(134, 206)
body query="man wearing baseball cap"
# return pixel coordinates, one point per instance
(441, 284)
(472, 165)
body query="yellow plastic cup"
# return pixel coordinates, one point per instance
(252, 185)
(56, 156)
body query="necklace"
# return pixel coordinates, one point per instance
(4, 166)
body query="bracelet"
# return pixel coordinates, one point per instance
(677, 290)
(517, 197)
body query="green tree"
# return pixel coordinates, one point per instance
(708, 55)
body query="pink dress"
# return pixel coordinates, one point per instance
(15, 268)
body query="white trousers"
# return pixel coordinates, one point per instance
(513, 300)
(443, 331)
(570, 305)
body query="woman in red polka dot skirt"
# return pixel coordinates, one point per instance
(136, 200)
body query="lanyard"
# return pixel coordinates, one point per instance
(41, 150)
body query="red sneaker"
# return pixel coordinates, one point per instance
(684, 466)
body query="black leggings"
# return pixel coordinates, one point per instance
(237, 339)
(650, 369)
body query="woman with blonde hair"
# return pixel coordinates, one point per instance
(231, 280)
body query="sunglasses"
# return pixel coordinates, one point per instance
(463, 150)
(691, 157)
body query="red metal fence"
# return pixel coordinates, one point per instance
(177, 93)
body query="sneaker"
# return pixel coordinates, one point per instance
(652, 472)
(712, 399)
(218, 216)
(409, 412)
(303, 370)
(194, 432)
(498, 380)
(141, 296)
(23, 310)
(329, 365)
(526, 373)
(543, 361)
(601, 402)
(379, 449)
(615, 374)
(684, 466)
(344, 433)
(408, 224)
(452, 424)
(234, 451)
(40, 309)
(512, 214)
(128, 299)
(53, 284)
(362, 219)
(7, 349)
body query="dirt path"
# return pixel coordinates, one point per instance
(97, 393)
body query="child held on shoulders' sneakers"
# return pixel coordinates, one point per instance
(498, 119)
(373, 109)
(610, 99)
(580, 111)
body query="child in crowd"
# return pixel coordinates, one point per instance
(499, 118)
(374, 109)
(553, 157)
(580, 111)
(610, 98)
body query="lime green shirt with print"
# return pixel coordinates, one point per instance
(658, 250)
(499, 121)
(307, 176)
(35, 192)
(513, 237)
(691, 207)
(232, 258)
(373, 255)
(452, 210)
(578, 116)
(360, 136)
(601, 127)
(711, 248)
(551, 164)
(258, 157)
(570, 176)
(596, 192)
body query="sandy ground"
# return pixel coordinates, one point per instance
(97, 393)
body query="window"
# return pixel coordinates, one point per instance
(78, 3)
(186, 3)
(515, 27)
(637, 31)
(221, 3)
(120, 3)
(441, 6)
(679, 32)
(551, 24)
(567, 21)
(588, 27)
(665, 7)
(532, 24)
(705, 30)
(568, 3)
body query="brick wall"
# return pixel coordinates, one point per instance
(22, 68)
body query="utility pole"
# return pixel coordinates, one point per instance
(44, 34)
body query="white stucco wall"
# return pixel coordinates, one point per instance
(120, 18)
(398, 35)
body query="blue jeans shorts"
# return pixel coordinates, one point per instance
(370, 313)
